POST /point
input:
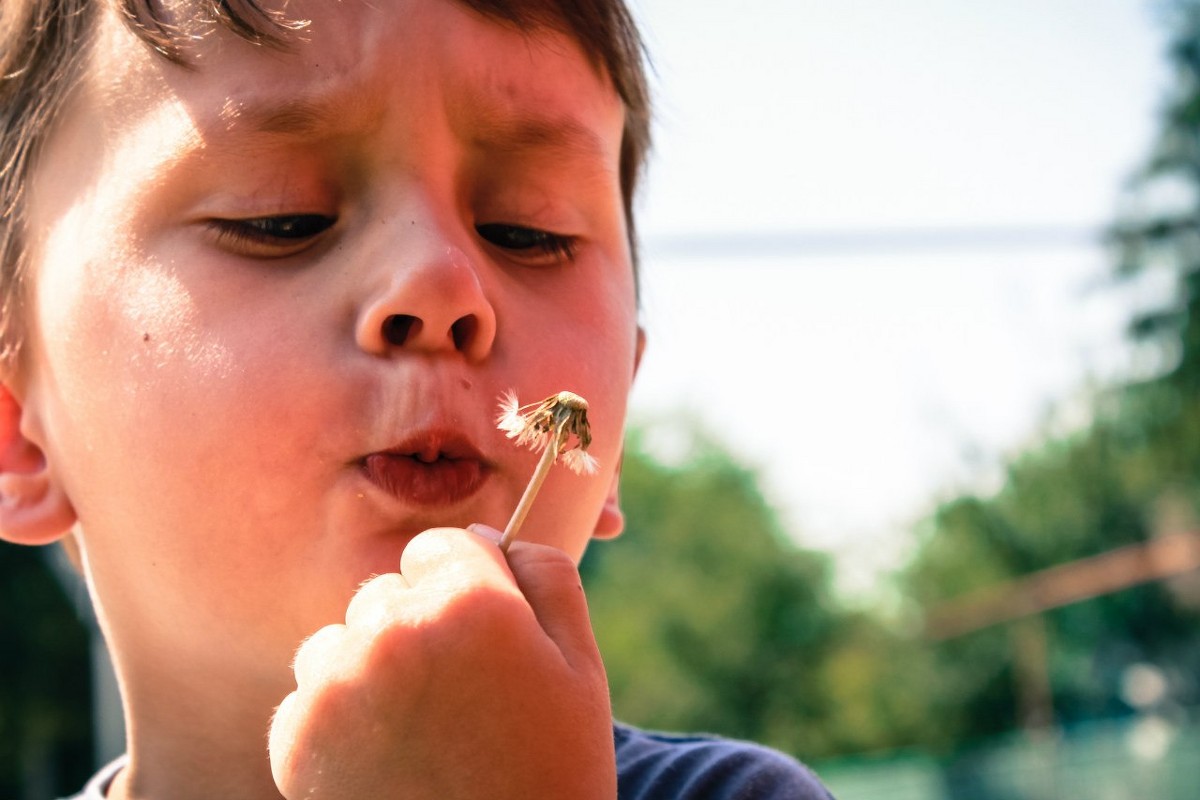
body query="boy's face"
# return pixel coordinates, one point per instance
(276, 298)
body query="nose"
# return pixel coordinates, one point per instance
(431, 301)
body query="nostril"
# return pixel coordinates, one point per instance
(463, 330)
(399, 328)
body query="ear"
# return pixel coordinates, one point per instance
(640, 348)
(611, 521)
(33, 507)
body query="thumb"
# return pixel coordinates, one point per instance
(549, 580)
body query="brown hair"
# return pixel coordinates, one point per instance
(44, 42)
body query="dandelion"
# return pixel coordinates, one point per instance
(555, 426)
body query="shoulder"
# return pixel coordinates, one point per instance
(656, 766)
(97, 787)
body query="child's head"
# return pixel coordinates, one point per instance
(267, 293)
(43, 44)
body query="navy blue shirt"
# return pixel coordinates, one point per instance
(656, 766)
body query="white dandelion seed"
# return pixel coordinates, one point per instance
(581, 462)
(510, 420)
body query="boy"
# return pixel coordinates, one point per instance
(266, 271)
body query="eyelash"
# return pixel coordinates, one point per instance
(517, 237)
(281, 232)
(289, 232)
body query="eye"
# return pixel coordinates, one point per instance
(529, 242)
(270, 237)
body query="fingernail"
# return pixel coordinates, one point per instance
(486, 531)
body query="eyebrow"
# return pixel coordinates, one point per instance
(508, 131)
(521, 133)
(292, 118)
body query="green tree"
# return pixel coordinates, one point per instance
(1076, 496)
(1068, 499)
(1158, 234)
(708, 617)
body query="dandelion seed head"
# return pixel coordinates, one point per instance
(552, 421)
(571, 401)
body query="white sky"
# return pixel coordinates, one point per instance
(867, 382)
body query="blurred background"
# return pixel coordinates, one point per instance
(913, 481)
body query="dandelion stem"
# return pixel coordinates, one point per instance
(535, 483)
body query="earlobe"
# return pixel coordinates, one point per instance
(611, 521)
(639, 349)
(33, 507)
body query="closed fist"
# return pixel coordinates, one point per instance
(465, 675)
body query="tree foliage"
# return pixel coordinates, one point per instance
(708, 617)
(711, 618)
(1109, 485)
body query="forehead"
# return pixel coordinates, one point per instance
(356, 63)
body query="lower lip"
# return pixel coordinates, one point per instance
(437, 483)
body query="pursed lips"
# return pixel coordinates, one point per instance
(431, 468)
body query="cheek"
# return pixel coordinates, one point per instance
(600, 336)
(160, 427)
(135, 385)
(588, 348)
(117, 329)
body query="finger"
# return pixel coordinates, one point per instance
(281, 739)
(454, 556)
(377, 602)
(320, 655)
(549, 579)
(486, 531)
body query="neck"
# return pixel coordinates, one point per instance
(197, 736)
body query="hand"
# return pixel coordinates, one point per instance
(463, 676)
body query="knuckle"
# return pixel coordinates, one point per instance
(300, 733)
(315, 655)
(430, 548)
(450, 622)
(373, 603)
